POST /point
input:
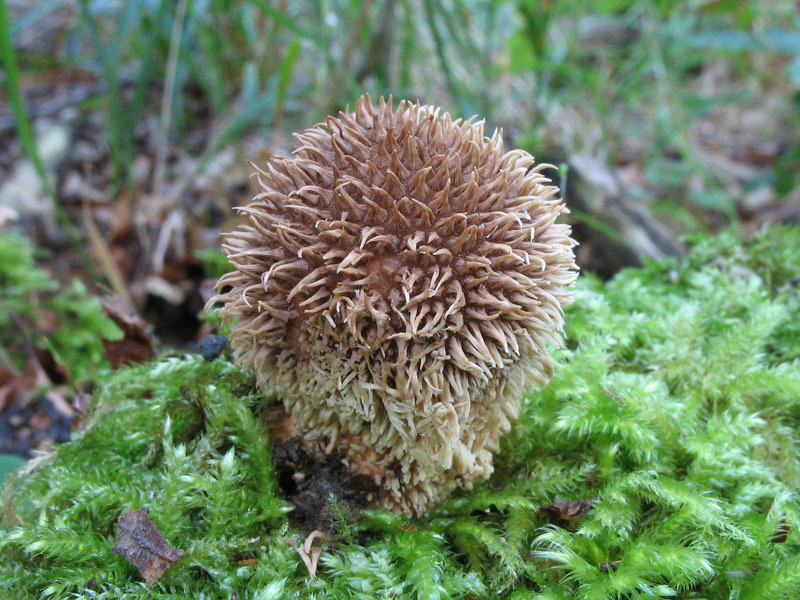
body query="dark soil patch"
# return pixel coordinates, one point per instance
(308, 482)
(36, 426)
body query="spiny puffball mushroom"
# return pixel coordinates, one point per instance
(396, 285)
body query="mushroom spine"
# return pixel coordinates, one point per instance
(396, 284)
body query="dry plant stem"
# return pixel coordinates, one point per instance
(107, 263)
(166, 100)
(309, 553)
(173, 224)
(397, 285)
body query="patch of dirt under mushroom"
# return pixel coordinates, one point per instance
(309, 482)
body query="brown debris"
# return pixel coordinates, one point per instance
(141, 544)
(36, 425)
(9, 387)
(136, 345)
(781, 533)
(567, 510)
(596, 190)
(281, 427)
(21, 388)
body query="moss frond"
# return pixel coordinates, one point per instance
(673, 413)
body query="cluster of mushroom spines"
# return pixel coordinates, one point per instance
(396, 285)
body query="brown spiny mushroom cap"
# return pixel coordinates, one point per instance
(396, 285)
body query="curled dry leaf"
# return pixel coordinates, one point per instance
(567, 510)
(136, 344)
(141, 544)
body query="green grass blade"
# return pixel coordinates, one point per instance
(110, 57)
(284, 76)
(456, 89)
(282, 19)
(39, 11)
(12, 84)
(26, 135)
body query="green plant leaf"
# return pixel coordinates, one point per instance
(8, 464)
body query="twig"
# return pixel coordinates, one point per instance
(173, 223)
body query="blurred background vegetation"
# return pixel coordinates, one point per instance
(695, 100)
(691, 104)
(126, 125)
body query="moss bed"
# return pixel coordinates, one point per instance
(673, 417)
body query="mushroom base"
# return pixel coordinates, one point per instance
(412, 476)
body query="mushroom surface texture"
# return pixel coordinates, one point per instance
(396, 285)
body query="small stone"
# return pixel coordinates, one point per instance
(212, 346)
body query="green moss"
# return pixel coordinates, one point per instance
(675, 407)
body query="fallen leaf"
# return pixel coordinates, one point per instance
(567, 510)
(141, 544)
(308, 552)
(21, 389)
(9, 383)
(56, 371)
(136, 345)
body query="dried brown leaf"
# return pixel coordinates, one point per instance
(18, 388)
(567, 510)
(8, 387)
(136, 345)
(141, 544)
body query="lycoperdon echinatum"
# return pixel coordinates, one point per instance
(396, 284)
